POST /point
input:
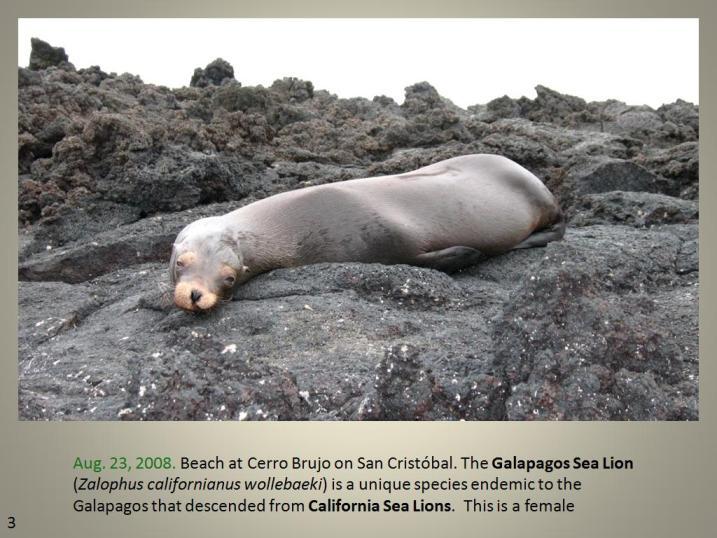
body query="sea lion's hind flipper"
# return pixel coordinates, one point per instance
(544, 236)
(450, 259)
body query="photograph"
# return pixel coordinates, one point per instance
(358, 219)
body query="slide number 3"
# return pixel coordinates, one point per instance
(11, 522)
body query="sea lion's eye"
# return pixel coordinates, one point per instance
(229, 281)
(180, 263)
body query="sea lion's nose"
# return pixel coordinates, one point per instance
(195, 295)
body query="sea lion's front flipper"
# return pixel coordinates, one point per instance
(450, 259)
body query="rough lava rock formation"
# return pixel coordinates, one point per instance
(600, 326)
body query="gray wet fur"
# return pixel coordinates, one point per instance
(446, 216)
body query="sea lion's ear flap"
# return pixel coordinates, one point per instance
(241, 270)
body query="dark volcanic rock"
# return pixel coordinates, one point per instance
(294, 89)
(603, 174)
(44, 55)
(200, 379)
(552, 106)
(680, 165)
(407, 389)
(583, 339)
(502, 107)
(682, 114)
(602, 325)
(215, 73)
(634, 209)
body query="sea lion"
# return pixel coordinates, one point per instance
(446, 216)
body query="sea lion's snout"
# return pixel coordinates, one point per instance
(194, 297)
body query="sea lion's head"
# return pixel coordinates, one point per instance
(205, 266)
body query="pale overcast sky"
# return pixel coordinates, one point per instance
(639, 61)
